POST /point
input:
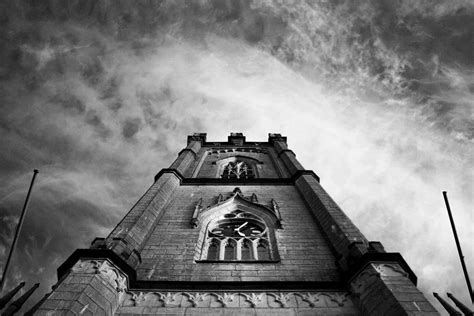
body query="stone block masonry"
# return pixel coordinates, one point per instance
(179, 252)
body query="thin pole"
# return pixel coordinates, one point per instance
(451, 310)
(460, 305)
(458, 245)
(16, 305)
(17, 232)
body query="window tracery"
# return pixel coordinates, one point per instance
(238, 170)
(237, 236)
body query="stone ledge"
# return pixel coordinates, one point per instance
(190, 150)
(219, 181)
(251, 299)
(379, 258)
(82, 254)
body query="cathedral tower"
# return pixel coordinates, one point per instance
(236, 228)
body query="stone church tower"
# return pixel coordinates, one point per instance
(235, 228)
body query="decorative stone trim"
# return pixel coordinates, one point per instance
(238, 299)
(360, 283)
(225, 299)
(282, 298)
(236, 198)
(169, 299)
(254, 298)
(390, 270)
(195, 298)
(379, 270)
(103, 267)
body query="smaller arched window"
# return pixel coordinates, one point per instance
(238, 170)
(247, 250)
(262, 250)
(230, 252)
(213, 250)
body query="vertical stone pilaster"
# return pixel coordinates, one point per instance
(344, 236)
(189, 154)
(385, 289)
(128, 237)
(92, 287)
(286, 155)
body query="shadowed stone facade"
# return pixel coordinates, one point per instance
(235, 228)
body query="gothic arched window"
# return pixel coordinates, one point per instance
(213, 250)
(262, 250)
(238, 236)
(246, 248)
(238, 170)
(230, 252)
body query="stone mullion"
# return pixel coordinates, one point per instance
(254, 248)
(238, 249)
(222, 245)
(269, 248)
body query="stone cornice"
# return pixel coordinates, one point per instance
(64, 269)
(374, 257)
(365, 260)
(134, 284)
(220, 181)
(188, 149)
(286, 151)
(321, 300)
(229, 144)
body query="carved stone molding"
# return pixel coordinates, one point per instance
(390, 270)
(238, 299)
(225, 298)
(363, 280)
(103, 267)
(195, 298)
(282, 298)
(378, 270)
(312, 299)
(169, 299)
(236, 200)
(254, 298)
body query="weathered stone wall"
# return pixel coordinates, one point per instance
(92, 287)
(238, 303)
(208, 167)
(162, 235)
(170, 251)
(384, 289)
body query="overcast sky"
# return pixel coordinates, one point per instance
(375, 96)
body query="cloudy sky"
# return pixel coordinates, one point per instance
(375, 96)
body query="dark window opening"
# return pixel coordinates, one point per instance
(238, 170)
(213, 251)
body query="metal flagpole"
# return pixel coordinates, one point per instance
(458, 245)
(17, 232)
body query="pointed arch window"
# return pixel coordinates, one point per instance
(262, 250)
(246, 249)
(230, 249)
(238, 236)
(213, 250)
(238, 170)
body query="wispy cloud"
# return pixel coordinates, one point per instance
(375, 97)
